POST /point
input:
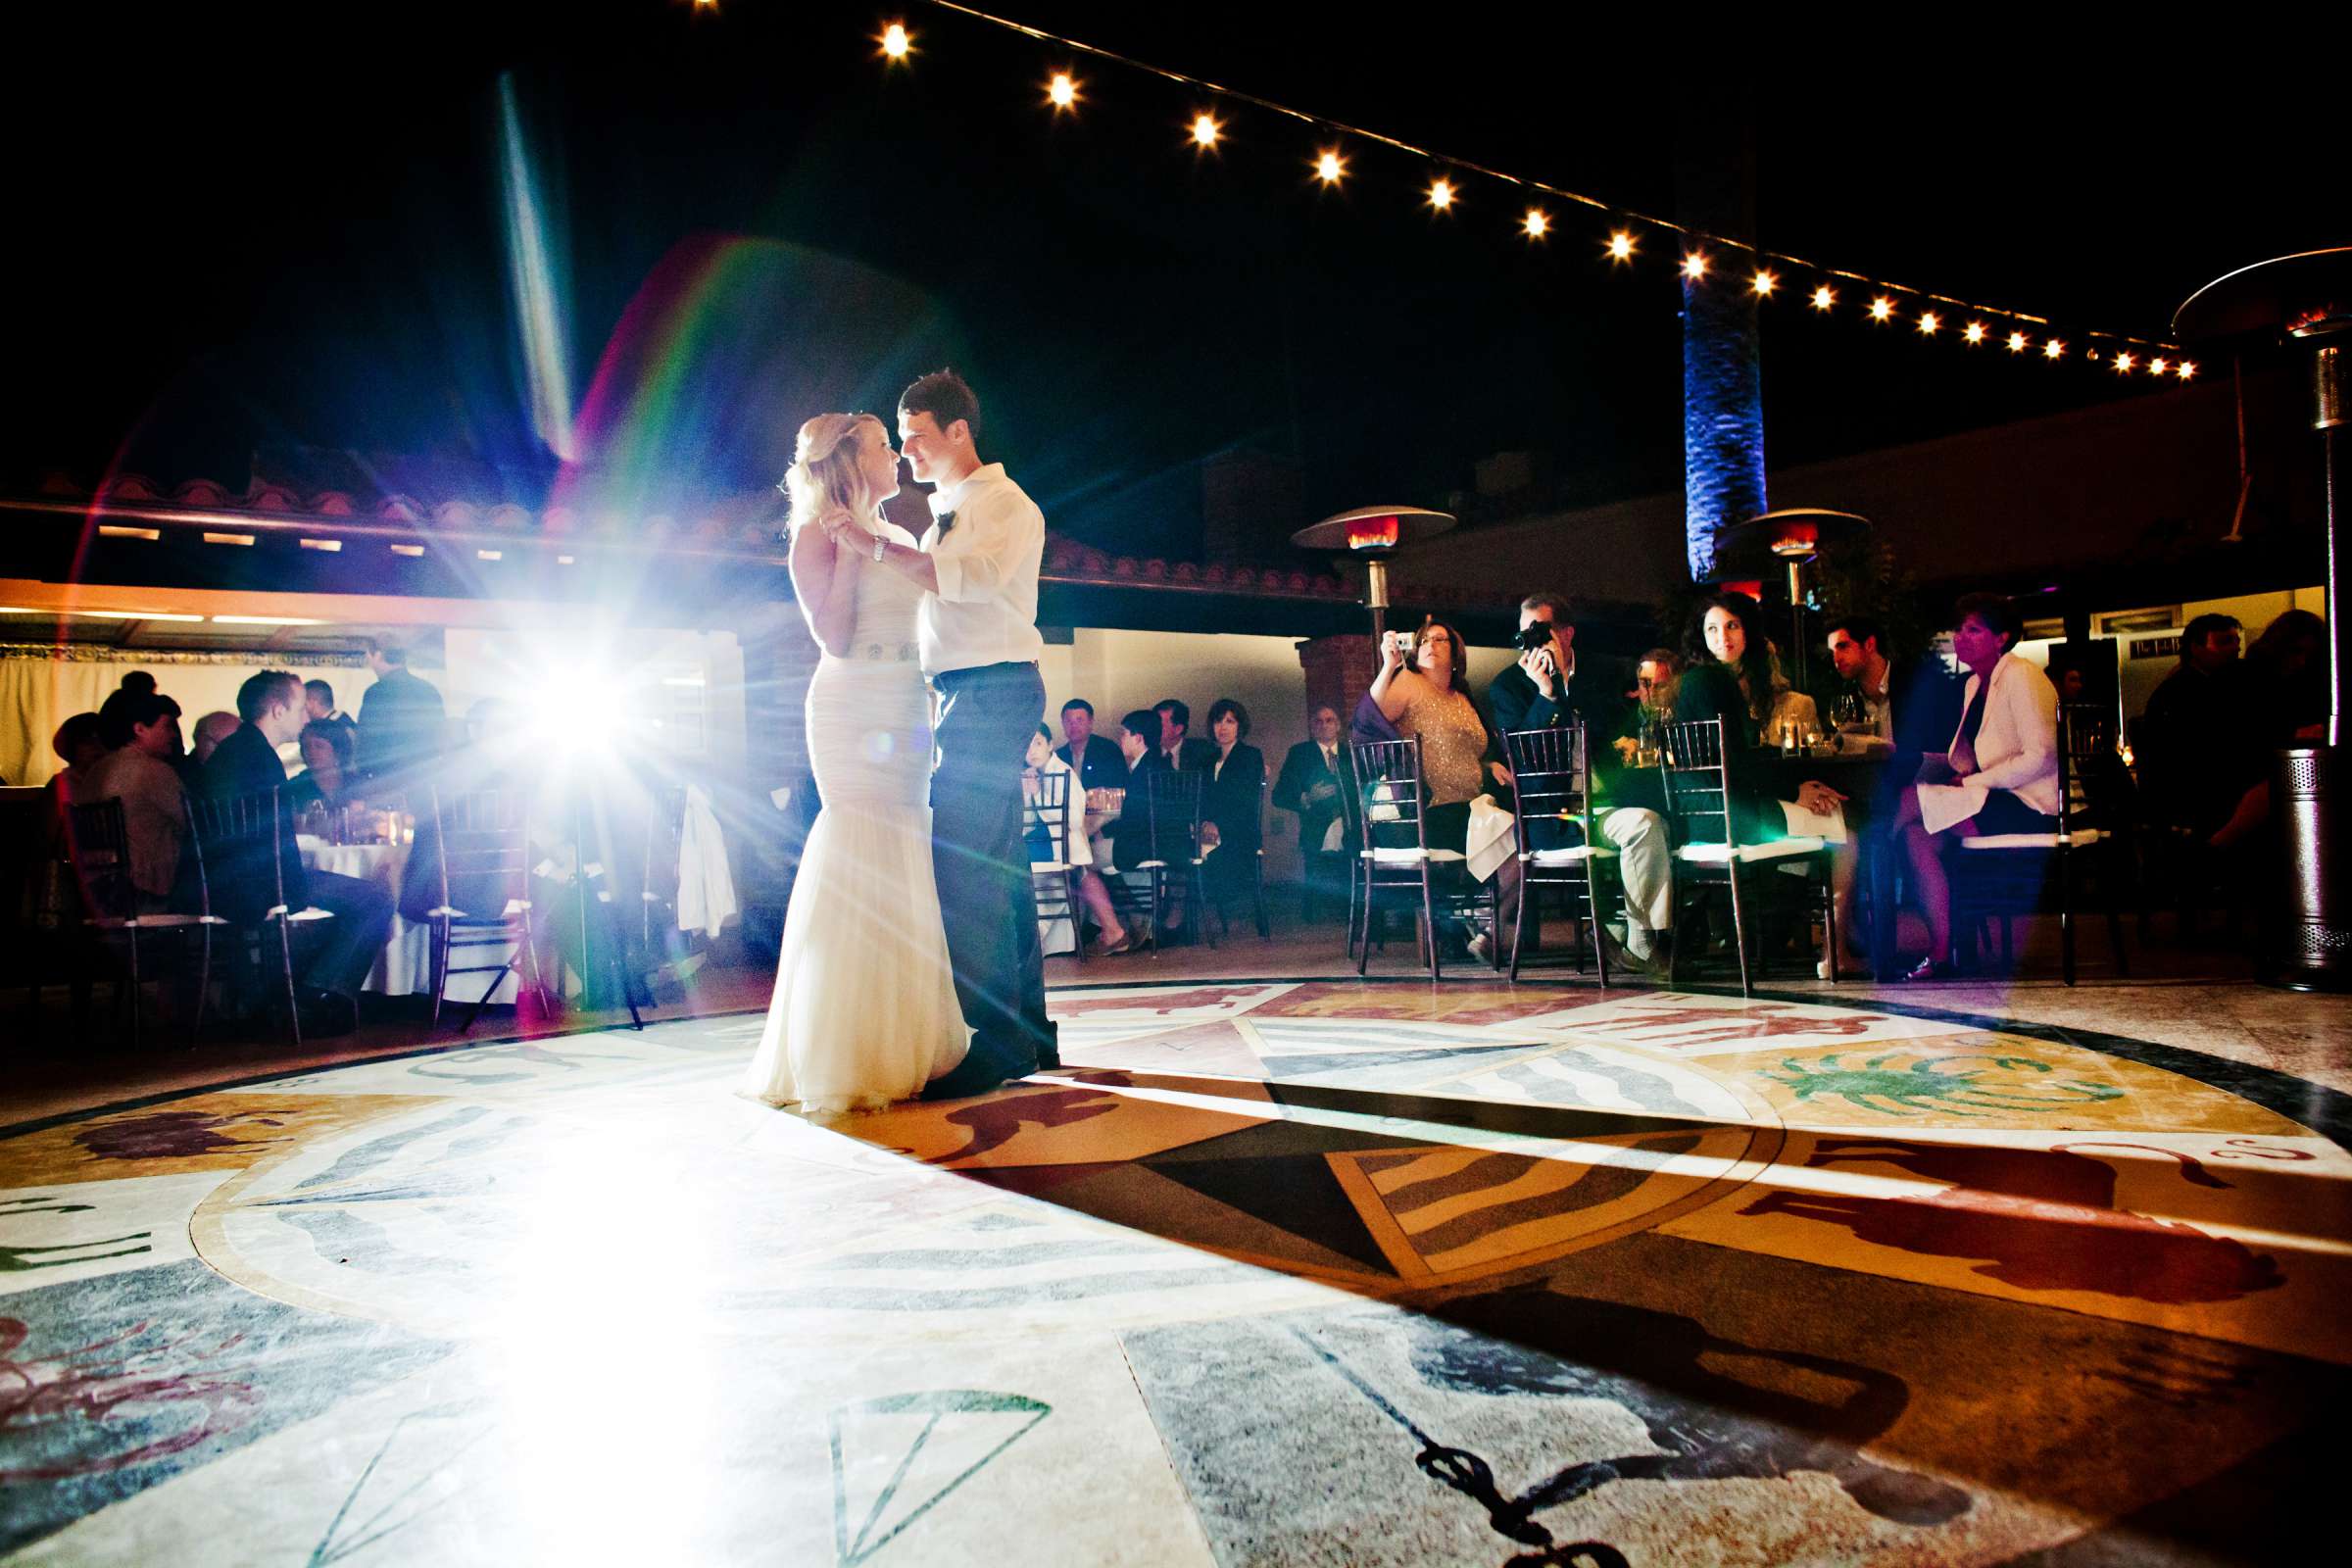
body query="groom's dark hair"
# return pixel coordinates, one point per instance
(944, 396)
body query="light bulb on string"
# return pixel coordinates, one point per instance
(2018, 342)
(2123, 365)
(1621, 246)
(1975, 333)
(2157, 366)
(897, 43)
(1765, 282)
(1927, 324)
(1330, 166)
(1441, 194)
(2185, 370)
(1823, 296)
(1695, 265)
(1535, 225)
(1204, 131)
(1881, 309)
(1062, 91)
(2054, 348)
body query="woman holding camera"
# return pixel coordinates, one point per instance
(1423, 689)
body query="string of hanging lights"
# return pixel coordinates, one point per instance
(1701, 258)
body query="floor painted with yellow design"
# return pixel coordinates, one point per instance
(1272, 1272)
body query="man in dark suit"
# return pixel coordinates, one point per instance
(1313, 780)
(1092, 756)
(243, 886)
(1544, 690)
(1180, 750)
(401, 719)
(1914, 705)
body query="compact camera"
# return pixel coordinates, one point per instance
(1534, 635)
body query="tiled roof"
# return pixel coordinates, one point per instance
(745, 522)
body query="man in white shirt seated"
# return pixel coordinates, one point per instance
(978, 565)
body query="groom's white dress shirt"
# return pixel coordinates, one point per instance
(985, 612)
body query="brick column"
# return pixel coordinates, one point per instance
(1338, 670)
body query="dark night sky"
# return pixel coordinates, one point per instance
(291, 234)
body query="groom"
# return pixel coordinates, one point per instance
(977, 567)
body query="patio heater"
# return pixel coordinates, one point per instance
(1795, 537)
(2305, 303)
(1372, 534)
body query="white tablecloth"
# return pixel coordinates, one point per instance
(406, 965)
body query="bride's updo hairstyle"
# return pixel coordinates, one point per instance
(824, 468)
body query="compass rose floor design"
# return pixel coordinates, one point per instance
(1273, 1272)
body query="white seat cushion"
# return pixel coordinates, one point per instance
(1410, 856)
(2035, 841)
(1568, 856)
(1046, 867)
(144, 922)
(1721, 854)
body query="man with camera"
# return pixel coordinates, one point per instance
(1543, 691)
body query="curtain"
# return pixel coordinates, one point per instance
(40, 691)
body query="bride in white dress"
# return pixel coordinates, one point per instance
(864, 1010)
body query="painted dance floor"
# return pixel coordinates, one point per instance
(1274, 1272)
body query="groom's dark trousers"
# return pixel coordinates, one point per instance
(986, 900)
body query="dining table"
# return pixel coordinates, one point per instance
(1856, 767)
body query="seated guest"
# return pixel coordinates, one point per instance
(1090, 756)
(1129, 836)
(1068, 843)
(318, 702)
(1232, 811)
(1545, 689)
(211, 730)
(79, 742)
(134, 684)
(2000, 774)
(139, 773)
(269, 705)
(1182, 750)
(1731, 678)
(1541, 692)
(327, 782)
(1429, 701)
(1313, 773)
(1912, 705)
(2285, 685)
(2202, 746)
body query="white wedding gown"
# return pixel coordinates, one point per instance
(864, 1010)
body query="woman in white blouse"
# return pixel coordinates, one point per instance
(1066, 842)
(2000, 775)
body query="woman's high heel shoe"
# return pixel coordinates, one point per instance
(1930, 969)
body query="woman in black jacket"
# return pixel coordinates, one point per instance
(1231, 811)
(1730, 678)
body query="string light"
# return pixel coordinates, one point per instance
(1063, 90)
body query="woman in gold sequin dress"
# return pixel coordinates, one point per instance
(1426, 697)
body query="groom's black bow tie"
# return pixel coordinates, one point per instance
(947, 520)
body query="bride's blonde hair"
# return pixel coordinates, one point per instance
(824, 468)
